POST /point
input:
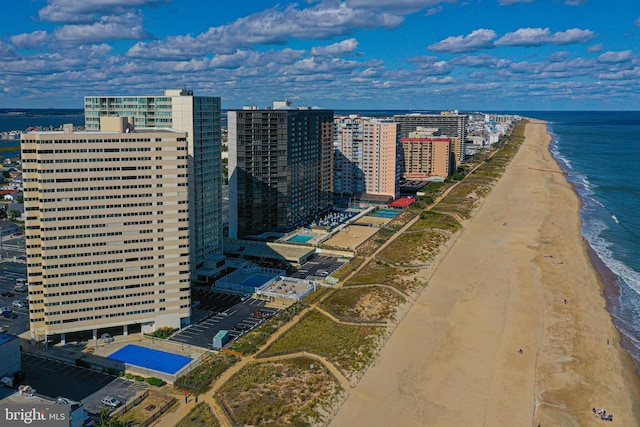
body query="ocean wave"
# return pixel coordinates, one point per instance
(555, 151)
(592, 231)
(597, 202)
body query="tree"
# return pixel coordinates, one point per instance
(107, 421)
(13, 214)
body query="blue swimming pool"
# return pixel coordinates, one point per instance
(300, 238)
(144, 357)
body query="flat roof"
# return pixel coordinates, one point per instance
(270, 250)
(403, 202)
(101, 132)
(221, 333)
(5, 338)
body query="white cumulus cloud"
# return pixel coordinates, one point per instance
(84, 11)
(340, 48)
(613, 57)
(478, 39)
(31, 40)
(272, 26)
(542, 36)
(127, 27)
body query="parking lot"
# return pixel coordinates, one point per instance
(53, 378)
(18, 322)
(237, 319)
(318, 266)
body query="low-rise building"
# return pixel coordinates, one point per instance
(9, 354)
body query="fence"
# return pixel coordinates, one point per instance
(192, 365)
(121, 410)
(164, 408)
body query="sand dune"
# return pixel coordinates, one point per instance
(455, 361)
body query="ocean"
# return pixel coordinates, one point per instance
(599, 151)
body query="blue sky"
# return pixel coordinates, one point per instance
(341, 54)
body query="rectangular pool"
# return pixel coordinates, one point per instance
(300, 238)
(144, 357)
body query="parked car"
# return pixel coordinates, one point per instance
(19, 304)
(9, 315)
(6, 294)
(111, 401)
(26, 390)
(20, 288)
(3, 309)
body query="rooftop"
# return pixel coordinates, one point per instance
(5, 338)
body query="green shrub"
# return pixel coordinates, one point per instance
(139, 378)
(154, 381)
(164, 332)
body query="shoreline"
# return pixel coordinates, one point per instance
(608, 279)
(454, 359)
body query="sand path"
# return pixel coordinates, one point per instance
(454, 359)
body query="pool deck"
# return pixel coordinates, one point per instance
(97, 354)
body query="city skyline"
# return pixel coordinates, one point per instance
(349, 54)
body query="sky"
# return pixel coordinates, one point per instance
(471, 55)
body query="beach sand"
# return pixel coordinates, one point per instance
(454, 360)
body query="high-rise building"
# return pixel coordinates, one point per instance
(427, 156)
(450, 124)
(200, 117)
(366, 156)
(107, 229)
(280, 167)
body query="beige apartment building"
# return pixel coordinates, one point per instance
(450, 124)
(427, 156)
(366, 156)
(107, 229)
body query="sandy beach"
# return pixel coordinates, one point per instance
(518, 276)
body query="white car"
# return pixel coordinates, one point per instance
(111, 401)
(19, 304)
(3, 309)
